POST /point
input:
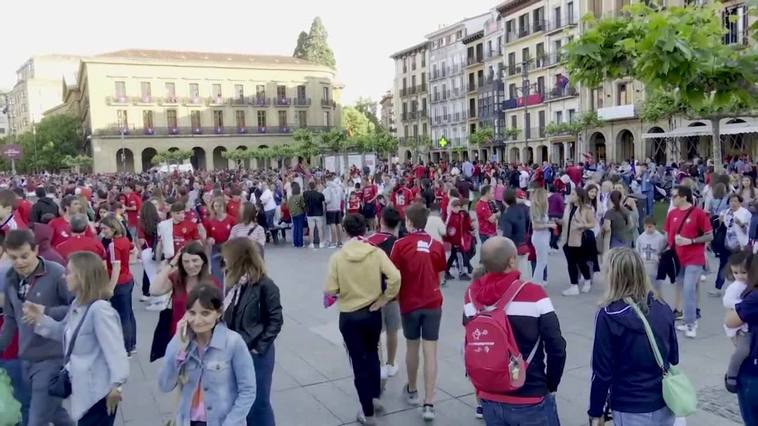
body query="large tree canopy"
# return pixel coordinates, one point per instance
(53, 139)
(314, 47)
(678, 53)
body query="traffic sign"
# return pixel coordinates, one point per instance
(11, 151)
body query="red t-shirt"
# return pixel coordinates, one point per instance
(419, 172)
(369, 193)
(184, 232)
(24, 209)
(11, 351)
(14, 221)
(697, 224)
(354, 202)
(80, 243)
(179, 299)
(220, 230)
(62, 231)
(118, 251)
(483, 213)
(420, 259)
(575, 173)
(133, 200)
(233, 208)
(402, 198)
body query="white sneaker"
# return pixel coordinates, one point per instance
(690, 330)
(154, 307)
(378, 406)
(365, 420)
(392, 370)
(427, 412)
(587, 286)
(573, 290)
(411, 397)
(321, 245)
(311, 246)
(383, 372)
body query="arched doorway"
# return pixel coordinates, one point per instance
(734, 145)
(515, 155)
(528, 155)
(559, 153)
(244, 164)
(624, 146)
(408, 155)
(597, 147)
(696, 146)
(656, 147)
(124, 161)
(262, 163)
(147, 158)
(542, 154)
(219, 162)
(198, 158)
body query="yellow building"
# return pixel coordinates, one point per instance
(135, 103)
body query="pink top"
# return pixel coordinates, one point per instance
(499, 190)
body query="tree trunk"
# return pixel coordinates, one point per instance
(346, 161)
(718, 164)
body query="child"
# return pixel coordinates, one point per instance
(739, 264)
(650, 244)
(460, 236)
(355, 200)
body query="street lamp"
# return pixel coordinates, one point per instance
(36, 158)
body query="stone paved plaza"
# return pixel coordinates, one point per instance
(313, 382)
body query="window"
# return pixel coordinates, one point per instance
(541, 121)
(559, 117)
(301, 92)
(736, 24)
(240, 118)
(413, 63)
(512, 62)
(302, 118)
(525, 55)
(261, 119)
(194, 90)
(147, 119)
(510, 29)
(218, 119)
(597, 98)
(216, 91)
(239, 92)
(123, 121)
(281, 92)
(596, 6)
(145, 91)
(282, 119)
(512, 91)
(423, 129)
(557, 17)
(570, 12)
(423, 81)
(572, 115)
(325, 91)
(423, 60)
(527, 124)
(538, 17)
(120, 90)
(413, 82)
(327, 118)
(195, 119)
(171, 92)
(405, 86)
(523, 25)
(171, 119)
(260, 91)
(423, 105)
(540, 54)
(624, 95)
(541, 85)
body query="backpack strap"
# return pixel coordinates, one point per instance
(510, 294)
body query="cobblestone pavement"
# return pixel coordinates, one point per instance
(313, 383)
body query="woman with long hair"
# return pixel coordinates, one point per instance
(736, 219)
(219, 226)
(747, 190)
(253, 310)
(209, 364)
(623, 365)
(616, 223)
(542, 228)
(118, 250)
(577, 218)
(296, 204)
(248, 226)
(97, 364)
(147, 238)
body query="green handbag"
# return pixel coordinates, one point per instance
(678, 392)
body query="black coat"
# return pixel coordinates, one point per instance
(42, 207)
(257, 315)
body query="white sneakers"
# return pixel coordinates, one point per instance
(572, 290)
(587, 286)
(690, 330)
(389, 370)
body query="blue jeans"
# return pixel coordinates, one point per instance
(216, 263)
(122, 303)
(543, 414)
(662, 417)
(261, 413)
(747, 396)
(270, 223)
(721, 274)
(298, 223)
(21, 391)
(689, 277)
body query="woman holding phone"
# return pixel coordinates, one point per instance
(209, 364)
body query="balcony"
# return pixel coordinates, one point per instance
(301, 102)
(260, 101)
(239, 100)
(282, 102)
(422, 88)
(193, 100)
(561, 92)
(619, 112)
(474, 60)
(471, 113)
(559, 23)
(199, 130)
(513, 70)
(168, 100)
(216, 100)
(509, 104)
(511, 36)
(328, 103)
(412, 90)
(143, 100)
(553, 59)
(117, 100)
(471, 86)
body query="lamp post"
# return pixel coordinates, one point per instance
(36, 158)
(123, 152)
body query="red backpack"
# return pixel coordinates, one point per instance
(491, 355)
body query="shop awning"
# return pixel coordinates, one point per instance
(683, 132)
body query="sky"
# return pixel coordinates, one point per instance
(362, 34)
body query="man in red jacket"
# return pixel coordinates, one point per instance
(420, 260)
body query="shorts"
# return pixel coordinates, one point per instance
(391, 317)
(333, 218)
(369, 211)
(422, 324)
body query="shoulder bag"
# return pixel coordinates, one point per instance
(678, 392)
(60, 383)
(668, 257)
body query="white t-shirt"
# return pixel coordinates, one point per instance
(733, 296)
(435, 227)
(737, 235)
(267, 199)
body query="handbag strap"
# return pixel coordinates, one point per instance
(684, 220)
(648, 332)
(73, 336)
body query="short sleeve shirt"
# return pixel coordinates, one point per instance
(696, 224)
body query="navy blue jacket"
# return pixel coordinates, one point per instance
(623, 362)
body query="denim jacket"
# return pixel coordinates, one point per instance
(228, 378)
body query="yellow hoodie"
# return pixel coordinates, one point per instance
(355, 274)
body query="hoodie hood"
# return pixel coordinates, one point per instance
(42, 235)
(357, 251)
(488, 289)
(623, 315)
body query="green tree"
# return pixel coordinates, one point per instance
(300, 48)
(53, 139)
(305, 144)
(356, 123)
(368, 107)
(78, 163)
(315, 47)
(335, 142)
(574, 128)
(678, 52)
(176, 156)
(482, 136)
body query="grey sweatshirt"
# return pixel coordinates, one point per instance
(48, 289)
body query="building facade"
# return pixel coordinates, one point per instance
(4, 113)
(387, 118)
(136, 103)
(38, 88)
(492, 93)
(411, 100)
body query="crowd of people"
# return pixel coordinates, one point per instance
(73, 247)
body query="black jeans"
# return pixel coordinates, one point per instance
(361, 330)
(457, 256)
(577, 263)
(97, 415)
(145, 285)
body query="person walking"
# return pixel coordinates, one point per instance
(41, 358)
(219, 226)
(577, 218)
(314, 212)
(514, 223)
(542, 230)
(334, 197)
(248, 226)
(360, 302)
(79, 240)
(486, 214)
(147, 239)
(91, 332)
(252, 309)
(536, 330)
(296, 204)
(624, 369)
(208, 394)
(736, 219)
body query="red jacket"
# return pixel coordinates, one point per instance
(459, 230)
(420, 259)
